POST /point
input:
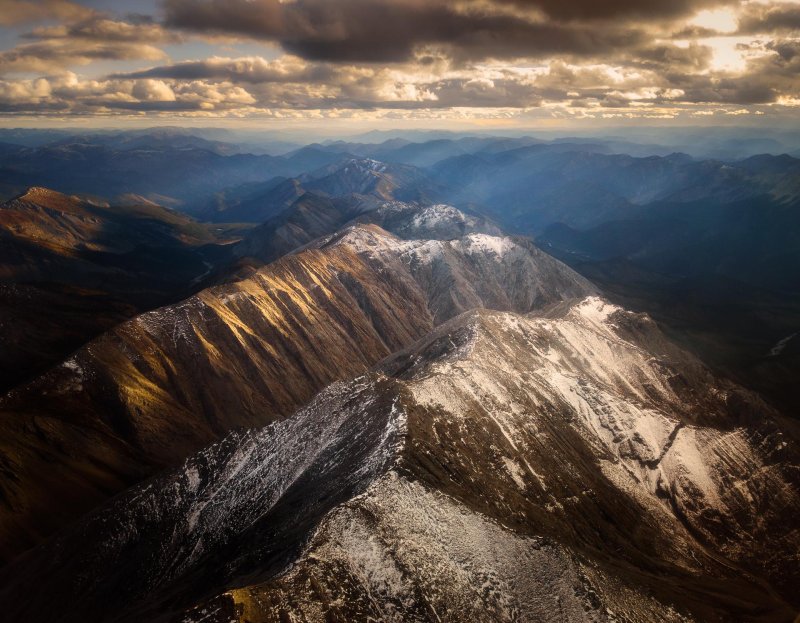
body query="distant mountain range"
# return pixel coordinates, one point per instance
(649, 227)
(506, 176)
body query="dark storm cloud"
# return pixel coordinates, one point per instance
(616, 9)
(370, 31)
(770, 18)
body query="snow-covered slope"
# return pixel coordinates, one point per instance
(568, 466)
(422, 222)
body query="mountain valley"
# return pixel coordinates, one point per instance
(72, 268)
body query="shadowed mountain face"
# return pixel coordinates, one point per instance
(154, 389)
(573, 465)
(343, 179)
(531, 188)
(71, 269)
(724, 278)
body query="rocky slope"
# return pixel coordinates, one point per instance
(156, 388)
(71, 269)
(568, 466)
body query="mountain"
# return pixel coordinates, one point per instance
(385, 408)
(252, 203)
(73, 268)
(150, 391)
(329, 199)
(346, 177)
(364, 176)
(155, 139)
(425, 153)
(723, 277)
(528, 189)
(313, 216)
(414, 221)
(187, 174)
(571, 465)
(313, 157)
(310, 216)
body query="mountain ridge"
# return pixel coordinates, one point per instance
(391, 466)
(172, 380)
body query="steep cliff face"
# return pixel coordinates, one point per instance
(154, 389)
(567, 466)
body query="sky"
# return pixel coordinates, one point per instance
(491, 64)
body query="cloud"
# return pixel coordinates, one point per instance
(757, 18)
(616, 9)
(52, 55)
(84, 40)
(69, 93)
(100, 28)
(253, 69)
(24, 11)
(391, 30)
(650, 58)
(153, 91)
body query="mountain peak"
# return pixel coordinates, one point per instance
(365, 164)
(52, 199)
(363, 237)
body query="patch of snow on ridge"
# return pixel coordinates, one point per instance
(363, 239)
(72, 364)
(424, 252)
(781, 345)
(78, 375)
(435, 214)
(596, 310)
(515, 472)
(365, 164)
(483, 244)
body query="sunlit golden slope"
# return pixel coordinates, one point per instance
(70, 269)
